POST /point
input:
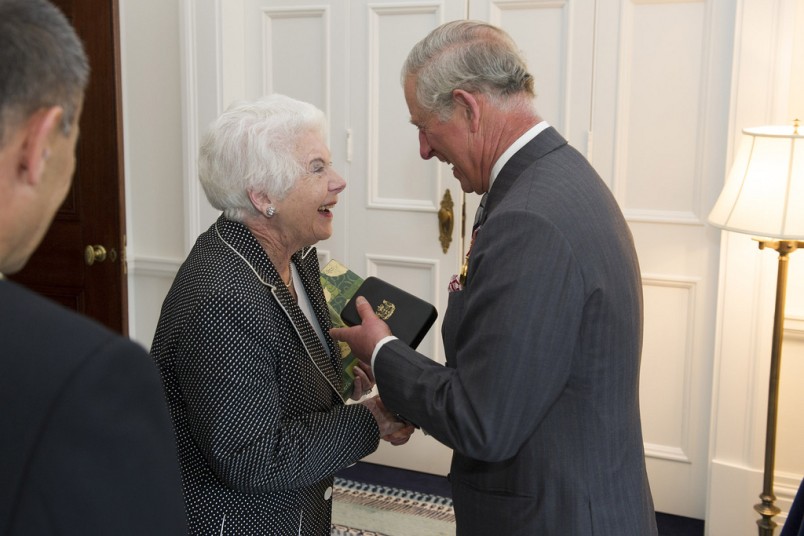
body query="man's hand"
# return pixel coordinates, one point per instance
(363, 338)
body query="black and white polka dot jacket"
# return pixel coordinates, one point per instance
(254, 397)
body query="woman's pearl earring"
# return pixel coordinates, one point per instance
(270, 211)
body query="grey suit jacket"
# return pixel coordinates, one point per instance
(539, 399)
(253, 394)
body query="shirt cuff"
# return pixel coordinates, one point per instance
(379, 345)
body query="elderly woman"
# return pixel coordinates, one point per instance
(252, 377)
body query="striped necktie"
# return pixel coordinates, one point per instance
(480, 215)
(460, 279)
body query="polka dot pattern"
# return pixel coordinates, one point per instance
(252, 392)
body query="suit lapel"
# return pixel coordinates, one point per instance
(306, 262)
(545, 142)
(242, 242)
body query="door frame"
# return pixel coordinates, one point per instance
(93, 212)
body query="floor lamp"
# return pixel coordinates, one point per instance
(764, 196)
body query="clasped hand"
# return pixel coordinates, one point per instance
(391, 429)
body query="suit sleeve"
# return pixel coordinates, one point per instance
(228, 375)
(521, 312)
(107, 441)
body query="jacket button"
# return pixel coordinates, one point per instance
(328, 493)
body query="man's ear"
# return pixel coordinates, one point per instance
(470, 105)
(39, 131)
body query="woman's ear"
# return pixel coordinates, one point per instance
(39, 130)
(259, 200)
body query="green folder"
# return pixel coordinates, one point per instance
(340, 284)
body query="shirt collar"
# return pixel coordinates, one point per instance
(520, 142)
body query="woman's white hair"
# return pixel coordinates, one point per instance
(252, 146)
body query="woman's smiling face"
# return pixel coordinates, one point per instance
(305, 211)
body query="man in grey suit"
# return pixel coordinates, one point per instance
(543, 331)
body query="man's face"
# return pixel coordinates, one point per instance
(449, 141)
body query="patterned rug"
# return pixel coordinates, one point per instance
(360, 509)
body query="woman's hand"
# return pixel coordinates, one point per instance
(391, 429)
(364, 380)
(401, 436)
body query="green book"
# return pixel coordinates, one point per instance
(340, 284)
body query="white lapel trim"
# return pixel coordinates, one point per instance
(282, 306)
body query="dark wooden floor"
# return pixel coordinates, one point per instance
(669, 525)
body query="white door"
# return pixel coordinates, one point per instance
(395, 195)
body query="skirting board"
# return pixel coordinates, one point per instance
(733, 492)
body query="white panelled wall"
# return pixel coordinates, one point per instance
(767, 88)
(654, 92)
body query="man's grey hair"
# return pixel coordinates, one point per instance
(253, 146)
(468, 55)
(42, 63)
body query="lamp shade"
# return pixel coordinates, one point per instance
(764, 193)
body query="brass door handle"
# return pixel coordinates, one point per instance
(98, 253)
(446, 221)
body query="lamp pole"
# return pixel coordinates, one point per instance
(767, 509)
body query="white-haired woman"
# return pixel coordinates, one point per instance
(252, 377)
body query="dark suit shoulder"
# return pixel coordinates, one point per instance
(40, 335)
(86, 434)
(30, 319)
